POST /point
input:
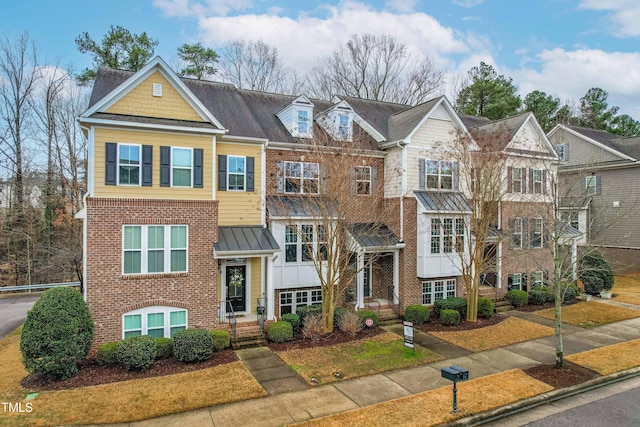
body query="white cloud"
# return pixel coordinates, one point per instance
(183, 8)
(402, 5)
(468, 3)
(624, 15)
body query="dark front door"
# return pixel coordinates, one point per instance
(236, 286)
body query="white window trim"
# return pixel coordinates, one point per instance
(294, 299)
(518, 224)
(358, 180)
(439, 175)
(562, 151)
(139, 146)
(166, 310)
(302, 178)
(591, 190)
(513, 281)
(348, 136)
(244, 174)
(296, 123)
(300, 243)
(535, 281)
(145, 248)
(449, 286)
(533, 223)
(191, 168)
(537, 182)
(514, 180)
(441, 236)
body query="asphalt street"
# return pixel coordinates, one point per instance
(13, 310)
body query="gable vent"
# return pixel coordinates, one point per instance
(157, 89)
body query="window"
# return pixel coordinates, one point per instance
(236, 173)
(536, 232)
(434, 290)
(291, 301)
(516, 233)
(516, 180)
(571, 218)
(591, 185)
(301, 177)
(303, 121)
(514, 281)
(363, 180)
(303, 243)
(536, 176)
(157, 321)
(439, 175)
(128, 164)
(307, 242)
(447, 235)
(563, 152)
(154, 249)
(291, 244)
(344, 131)
(322, 242)
(537, 278)
(181, 167)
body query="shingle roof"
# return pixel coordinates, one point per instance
(443, 201)
(629, 146)
(402, 123)
(245, 239)
(506, 128)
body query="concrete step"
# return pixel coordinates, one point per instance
(389, 322)
(248, 342)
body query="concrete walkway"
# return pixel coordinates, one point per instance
(288, 404)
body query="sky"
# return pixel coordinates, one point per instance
(561, 47)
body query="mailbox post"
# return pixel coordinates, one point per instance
(455, 374)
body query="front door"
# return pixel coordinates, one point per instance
(237, 287)
(367, 278)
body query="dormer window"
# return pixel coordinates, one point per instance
(297, 117)
(303, 122)
(344, 126)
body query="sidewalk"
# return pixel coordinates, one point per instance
(284, 406)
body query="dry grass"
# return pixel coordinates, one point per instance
(369, 356)
(627, 289)
(609, 359)
(587, 314)
(434, 407)
(509, 331)
(124, 401)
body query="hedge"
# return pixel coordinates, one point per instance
(108, 354)
(450, 317)
(280, 331)
(486, 307)
(368, 314)
(294, 319)
(137, 353)
(458, 304)
(192, 345)
(517, 298)
(220, 339)
(417, 314)
(164, 348)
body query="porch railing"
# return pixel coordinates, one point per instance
(227, 315)
(374, 304)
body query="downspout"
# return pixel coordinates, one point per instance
(404, 189)
(90, 184)
(499, 252)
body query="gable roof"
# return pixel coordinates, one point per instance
(626, 147)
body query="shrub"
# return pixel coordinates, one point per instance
(313, 327)
(137, 353)
(486, 307)
(350, 323)
(192, 345)
(569, 292)
(417, 314)
(294, 319)
(595, 273)
(220, 340)
(449, 317)
(164, 348)
(108, 354)
(368, 314)
(458, 304)
(540, 294)
(338, 312)
(57, 334)
(280, 331)
(517, 298)
(308, 310)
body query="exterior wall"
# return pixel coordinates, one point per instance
(156, 139)
(241, 207)
(623, 261)
(141, 102)
(580, 152)
(291, 274)
(110, 294)
(393, 172)
(435, 265)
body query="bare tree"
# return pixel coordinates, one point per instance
(378, 68)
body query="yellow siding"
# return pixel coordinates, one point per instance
(255, 283)
(141, 102)
(241, 207)
(156, 139)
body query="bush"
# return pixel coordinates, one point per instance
(486, 307)
(569, 292)
(368, 314)
(220, 340)
(458, 304)
(57, 334)
(449, 317)
(308, 310)
(595, 273)
(313, 327)
(350, 323)
(192, 345)
(137, 353)
(517, 298)
(108, 354)
(417, 314)
(294, 319)
(280, 331)
(338, 312)
(540, 294)
(164, 348)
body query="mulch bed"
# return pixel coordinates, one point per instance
(91, 374)
(568, 376)
(434, 325)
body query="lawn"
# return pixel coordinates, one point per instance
(588, 314)
(124, 401)
(609, 359)
(627, 289)
(509, 331)
(368, 356)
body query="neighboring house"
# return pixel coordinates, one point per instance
(33, 189)
(195, 189)
(599, 174)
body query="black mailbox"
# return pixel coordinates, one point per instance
(455, 373)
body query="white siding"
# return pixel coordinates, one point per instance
(291, 274)
(393, 173)
(433, 265)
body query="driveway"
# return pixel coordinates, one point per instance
(13, 310)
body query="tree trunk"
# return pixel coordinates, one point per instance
(558, 326)
(472, 304)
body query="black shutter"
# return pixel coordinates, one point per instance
(598, 185)
(198, 168)
(147, 165)
(510, 179)
(222, 172)
(512, 224)
(530, 180)
(374, 179)
(523, 282)
(111, 156)
(165, 166)
(525, 233)
(323, 179)
(280, 176)
(545, 235)
(510, 282)
(421, 176)
(544, 182)
(250, 174)
(523, 175)
(456, 172)
(353, 181)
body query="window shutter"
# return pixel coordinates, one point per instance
(525, 232)
(147, 165)
(523, 282)
(544, 182)
(250, 174)
(545, 235)
(512, 224)
(524, 179)
(323, 179)
(545, 278)
(111, 156)
(222, 172)
(530, 180)
(198, 168)
(374, 179)
(510, 179)
(422, 176)
(456, 171)
(165, 166)
(598, 185)
(280, 176)
(353, 182)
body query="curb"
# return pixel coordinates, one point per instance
(542, 399)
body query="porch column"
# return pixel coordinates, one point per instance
(360, 281)
(574, 259)
(270, 294)
(396, 277)
(499, 266)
